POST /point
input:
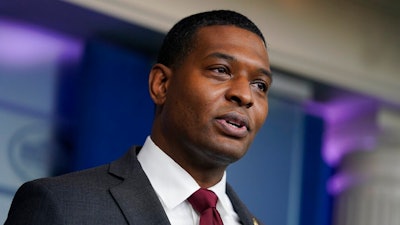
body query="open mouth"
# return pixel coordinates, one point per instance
(234, 125)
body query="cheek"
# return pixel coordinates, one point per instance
(204, 99)
(261, 114)
(187, 108)
(200, 108)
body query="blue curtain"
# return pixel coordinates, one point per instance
(114, 110)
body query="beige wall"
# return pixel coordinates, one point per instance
(352, 45)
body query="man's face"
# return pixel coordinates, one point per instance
(217, 98)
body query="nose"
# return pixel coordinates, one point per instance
(240, 92)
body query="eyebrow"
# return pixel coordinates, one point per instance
(221, 56)
(267, 73)
(232, 58)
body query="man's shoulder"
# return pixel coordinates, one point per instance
(95, 177)
(77, 196)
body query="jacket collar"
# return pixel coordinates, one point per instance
(245, 216)
(134, 195)
(142, 205)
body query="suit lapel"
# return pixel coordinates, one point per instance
(135, 195)
(139, 202)
(245, 216)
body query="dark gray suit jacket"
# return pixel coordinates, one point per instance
(117, 193)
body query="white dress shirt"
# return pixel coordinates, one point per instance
(174, 185)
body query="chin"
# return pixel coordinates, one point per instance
(229, 152)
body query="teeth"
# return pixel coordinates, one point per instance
(234, 124)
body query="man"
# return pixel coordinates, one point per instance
(210, 87)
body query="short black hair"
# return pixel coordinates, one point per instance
(179, 40)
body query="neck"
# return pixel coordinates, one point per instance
(204, 172)
(207, 169)
(207, 179)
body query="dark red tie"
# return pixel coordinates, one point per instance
(204, 202)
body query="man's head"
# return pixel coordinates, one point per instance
(212, 97)
(179, 40)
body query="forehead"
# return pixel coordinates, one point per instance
(232, 40)
(216, 30)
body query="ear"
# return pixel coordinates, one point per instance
(158, 83)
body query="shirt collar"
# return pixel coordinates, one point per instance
(171, 182)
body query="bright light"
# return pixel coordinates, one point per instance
(24, 45)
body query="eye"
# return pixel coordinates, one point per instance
(261, 85)
(220, 72)
(220, 69)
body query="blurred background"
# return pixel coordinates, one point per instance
(73, 94)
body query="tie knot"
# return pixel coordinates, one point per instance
(203, 199)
